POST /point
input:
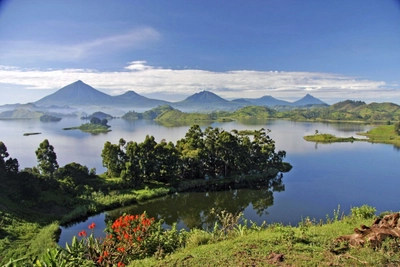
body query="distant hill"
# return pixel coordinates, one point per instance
(76, 94)
(268, 101)
(98, 114)
(21, 113)
(206, 101)
(347, 105)
(132, 99)
(308, 100)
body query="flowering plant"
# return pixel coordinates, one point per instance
(129, 237)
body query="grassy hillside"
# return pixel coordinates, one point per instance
(311, 243)
(177, 117)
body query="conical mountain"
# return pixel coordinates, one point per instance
(76, 94)
(205, 97)
(205, 101)
(308, 100)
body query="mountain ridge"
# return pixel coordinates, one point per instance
(81, 94)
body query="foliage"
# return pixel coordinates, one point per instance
(329, 138)
(7, 166)
(132, 115)
(47, 158)
(397, 128)
(49, 118)
(129, 237)
(363, 212)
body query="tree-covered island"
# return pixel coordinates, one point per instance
(95, 126)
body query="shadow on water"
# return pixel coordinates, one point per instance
(190, 210)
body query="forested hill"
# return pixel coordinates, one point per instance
(348, 110)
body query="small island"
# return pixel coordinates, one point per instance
(329, 138)
(95, 126)
(27, 134)
(386, 134)
(49, 118)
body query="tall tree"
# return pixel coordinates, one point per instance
(114, 158)
(47, 158)
(3, 155)
(193, 153)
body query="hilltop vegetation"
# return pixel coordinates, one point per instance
(355, 111)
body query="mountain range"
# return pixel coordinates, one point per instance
(80, 94)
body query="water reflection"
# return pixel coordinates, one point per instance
(192, 210)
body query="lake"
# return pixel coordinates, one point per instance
(323, 175)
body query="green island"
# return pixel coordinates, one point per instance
(95, 126)
(386, 134)
(36, 201)
(28, 134)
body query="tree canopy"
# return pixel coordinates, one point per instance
(214, 153)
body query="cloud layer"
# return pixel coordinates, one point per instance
(144, 79)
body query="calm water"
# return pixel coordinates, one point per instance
(323, 176)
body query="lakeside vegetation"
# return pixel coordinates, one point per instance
(386, 134)
(345, 111)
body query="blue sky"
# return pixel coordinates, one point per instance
(334, 50)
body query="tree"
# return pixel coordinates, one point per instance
(397, 128)
(104, 122)
(114, 158)
(3, 155)
(95, 120)
(193, 153)
(47, 158)
(7, 166)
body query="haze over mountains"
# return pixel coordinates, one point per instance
(80, 94)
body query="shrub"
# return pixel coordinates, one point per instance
(363, 212)
(130, 237)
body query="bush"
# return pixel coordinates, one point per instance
(130, 237)
(363, 212)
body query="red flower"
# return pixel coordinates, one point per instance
(82, 233)
(120, 264)
(92, 225)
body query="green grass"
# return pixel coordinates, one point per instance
(329, 138)
(383, 134)
(309, 244)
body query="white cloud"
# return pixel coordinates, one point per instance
(144, 79)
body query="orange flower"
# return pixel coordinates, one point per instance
(121, 249)
(120, 264)
(82, 233)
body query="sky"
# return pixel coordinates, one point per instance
(334, 50)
